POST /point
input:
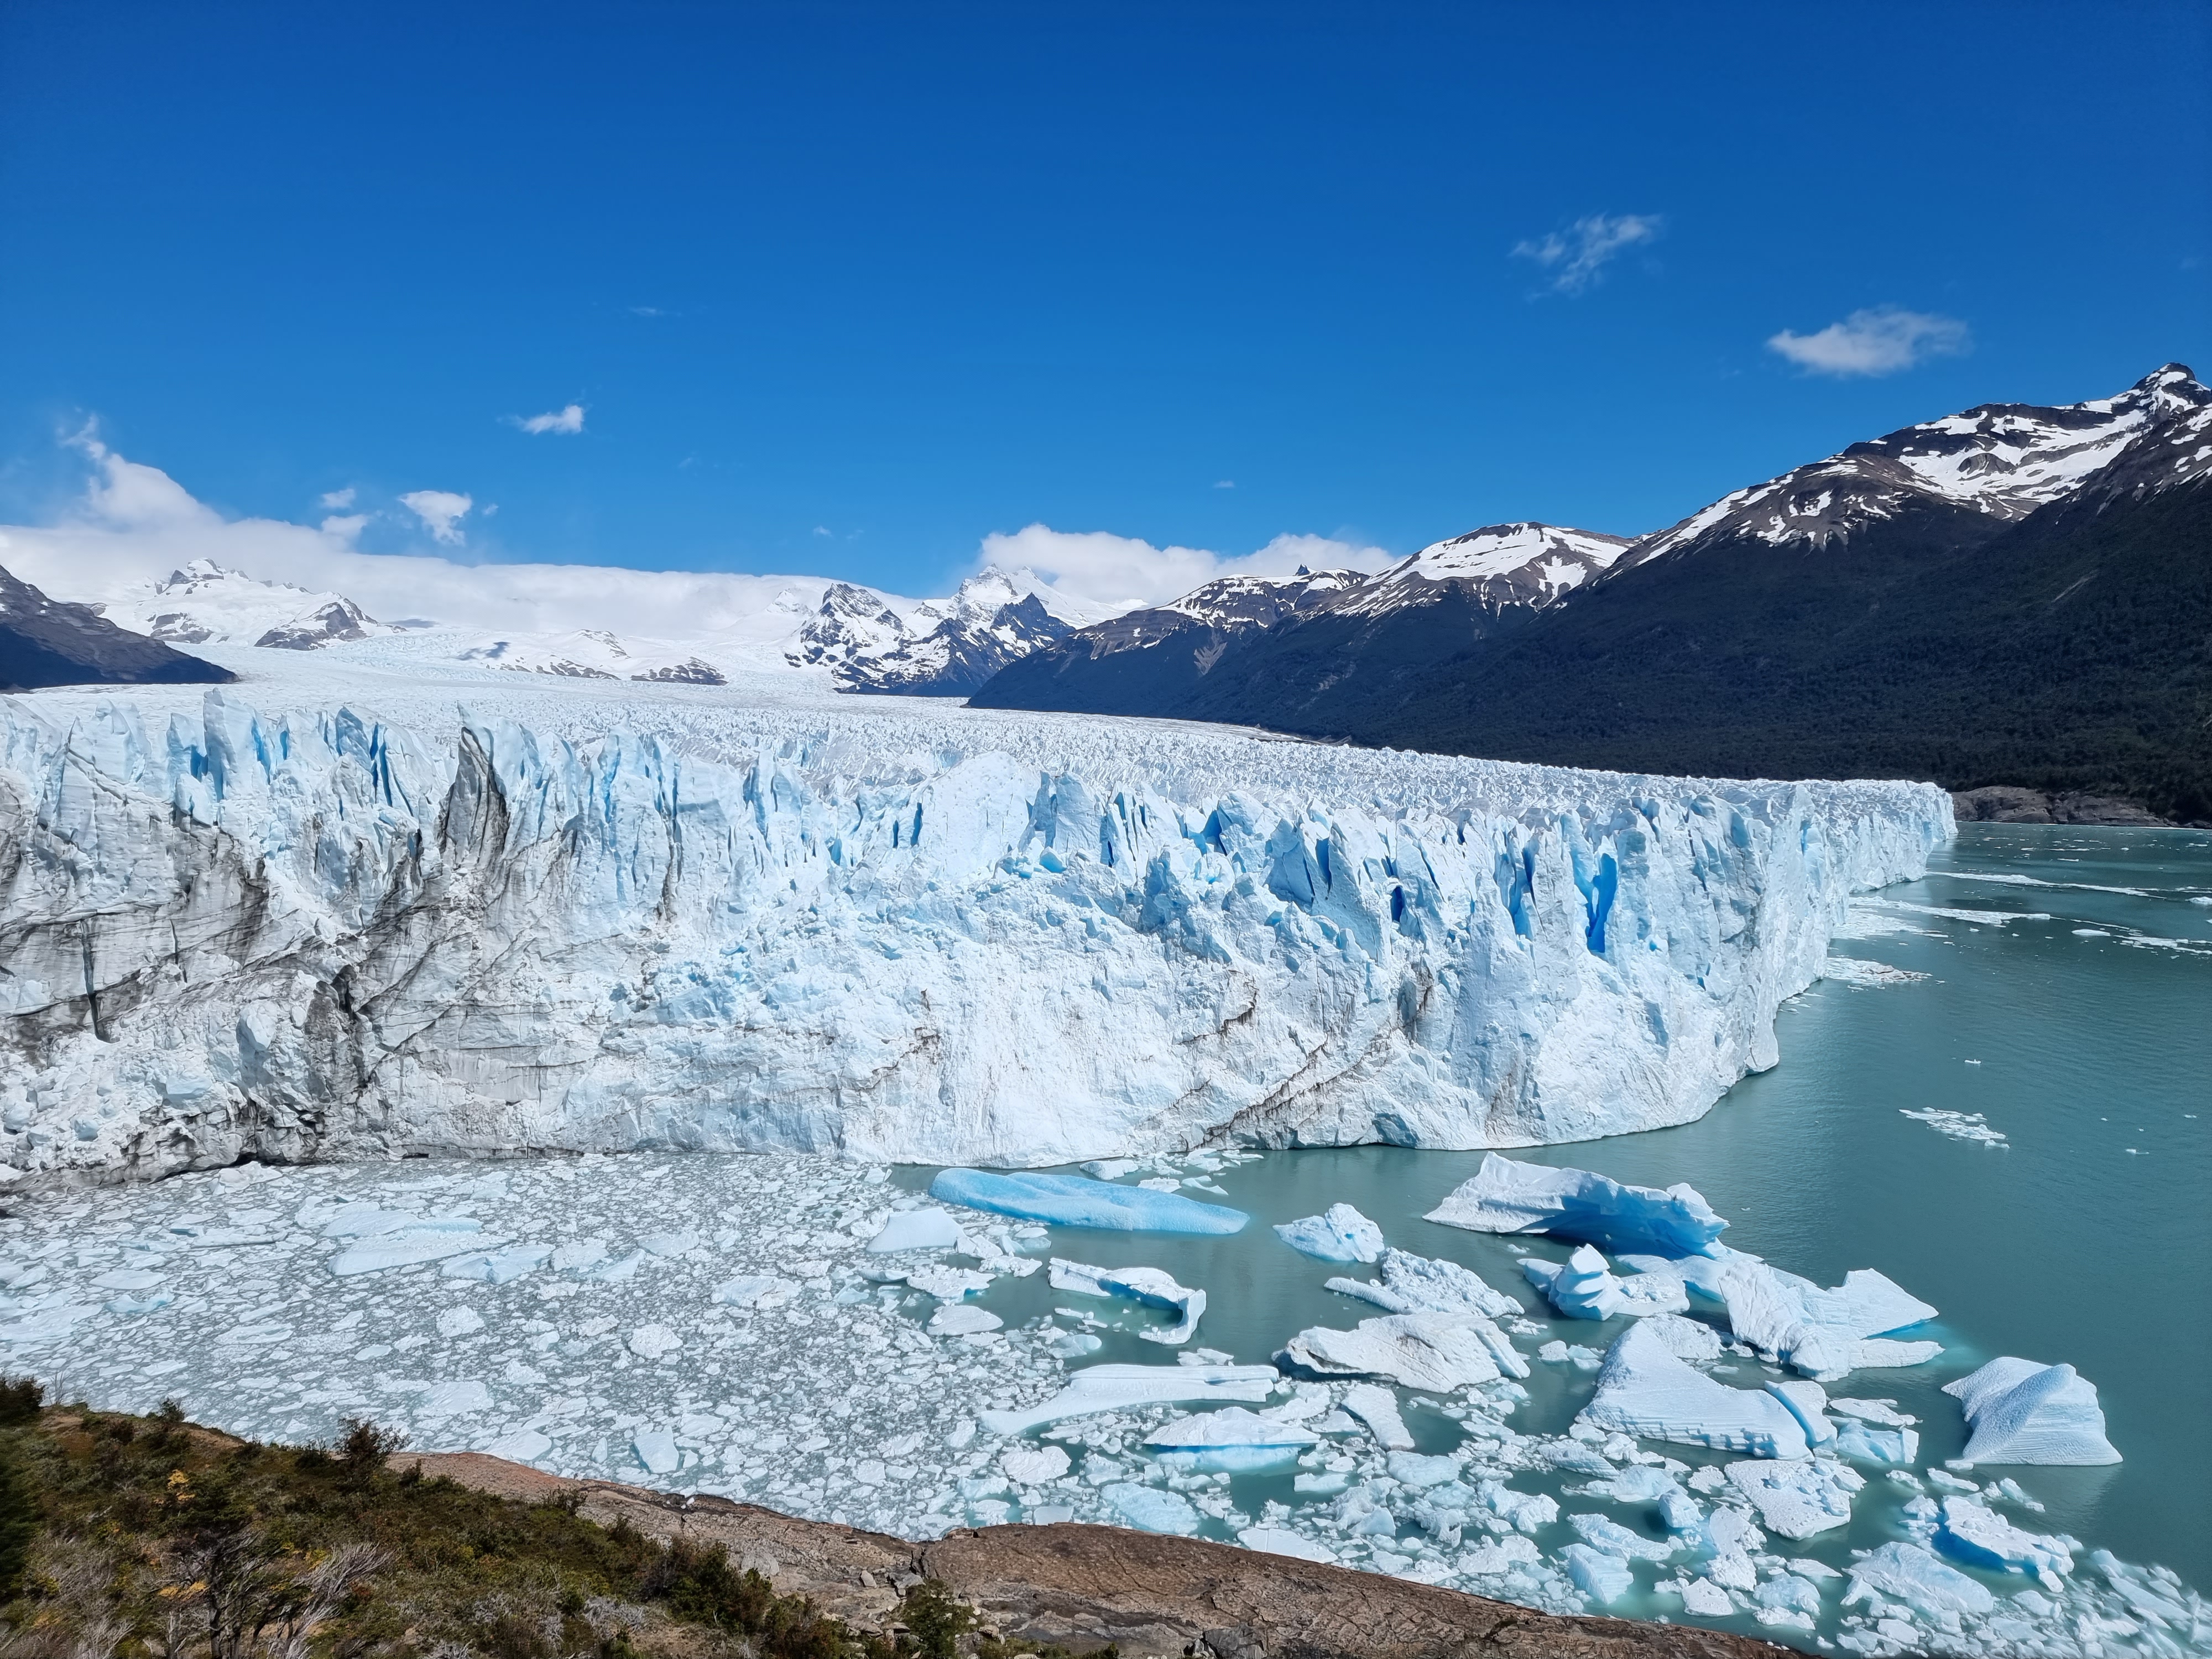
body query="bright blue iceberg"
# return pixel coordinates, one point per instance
(1078, 1202)
(1506, 1196)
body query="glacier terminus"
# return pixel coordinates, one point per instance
(947, 937)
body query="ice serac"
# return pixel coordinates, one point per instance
(937, 938)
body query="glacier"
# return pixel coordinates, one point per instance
(941, 936)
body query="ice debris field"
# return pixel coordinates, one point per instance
(1642, 1421)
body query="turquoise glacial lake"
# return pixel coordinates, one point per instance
(2067, 1001)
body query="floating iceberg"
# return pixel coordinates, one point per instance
(958, 1319)
(2023, 1412)
(1506, 1196)
(1230, 1440)
(1119, 1387)
(1338, 1234)
(498, 1267)
(1603, 1532)
(1872, 1442)
(1150, 1509)
(1279, 1540)
(1422, 1283)
(1980, 1537)
(916, 1229)
(1584, 1287)
(1378, 1408)
(1598, 1574)
(431, 1242)
(1644, 1389)
(1798, 1499)
(1150, 1287)
(1826, 1335)
(1079, 1202)
(1910, 1573)
(1436, 1351)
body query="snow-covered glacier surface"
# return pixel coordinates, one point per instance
(566, 921)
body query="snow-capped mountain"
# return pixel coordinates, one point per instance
(593, 653)
(2001, 461)
(205, 604)
(950, 647)
(1499, 565)
(46, 641)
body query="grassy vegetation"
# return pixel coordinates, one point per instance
(148, 1538)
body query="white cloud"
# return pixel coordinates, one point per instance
(1225, 484)
(1100, 568)
(1881, 340)
(821, 529)
(346, 528)
(568, 420)
(1576, 256)
(442, 511)
(337, 500)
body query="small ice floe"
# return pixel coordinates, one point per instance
(654, 1342)
(2023, 1412)
(1821, 1332)
(1867, 976)
(1423, 1283)
(1584, 1287)
(1078, 1202)
(424, 1239)
(1340, 1233)
(459, 1321)
(498, 1267)
(1033, 1466)
(1644, 1389)
(1870, 1442)
(1959, 1126)
(1119, 1387)
(1798, 1499)
(1280, 1540)
(1150, 1287)
(1505, 1196)
(948, 1284)
(958, 1319)
(1436, 1351)
(755, 1290)
(656, 1450)
(1603, 1532)
(1378, 1408)
(1979, 1537)
(522, 1446)
(1598, 1574)
(916, 1229)
(1231, 1441)
(1911, 1574)
(1148, 1508)
(1686, 1338)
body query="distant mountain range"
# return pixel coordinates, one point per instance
(2015, 595)
(2012, 595)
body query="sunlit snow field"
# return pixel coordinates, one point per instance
(716, 1323)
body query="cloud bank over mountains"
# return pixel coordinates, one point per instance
(133, 523)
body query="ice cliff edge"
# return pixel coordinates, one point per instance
(319, 936)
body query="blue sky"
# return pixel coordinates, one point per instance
(844, 289)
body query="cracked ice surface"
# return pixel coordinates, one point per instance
(561, 921)
(724, 1324)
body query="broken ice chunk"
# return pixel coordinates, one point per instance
(755, 1290)
(656, 1450)
(1378, 1408)
(2023, 1412)
(1437, 1352)
(1230, 1440)
(1280, 1540)
(1076, 1201)
(1801, 1499)
(127, 1279)
(1148, 1287)
(498, 1267)
(667, 1243)
(1685, 1338)
(454, 1236)
(460, 1399)
(1032, 1466)
(459, 1321)
(523, 1446)
(1870, 1442)
(1340, 1233)
(654, 1342)
(1603, 1532)
(958, 1319)
(1908, 1573)
(1603, 1577)
(948, 1284)
(1421, 1284)
(1980, 1537)
(1705, 1599)
(916, 1229)
(1808, 1404)
(1117, 1387)
(1644, 1389)
(1506, 1196)
(1150, 1509)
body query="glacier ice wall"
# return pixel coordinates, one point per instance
(318, 935)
